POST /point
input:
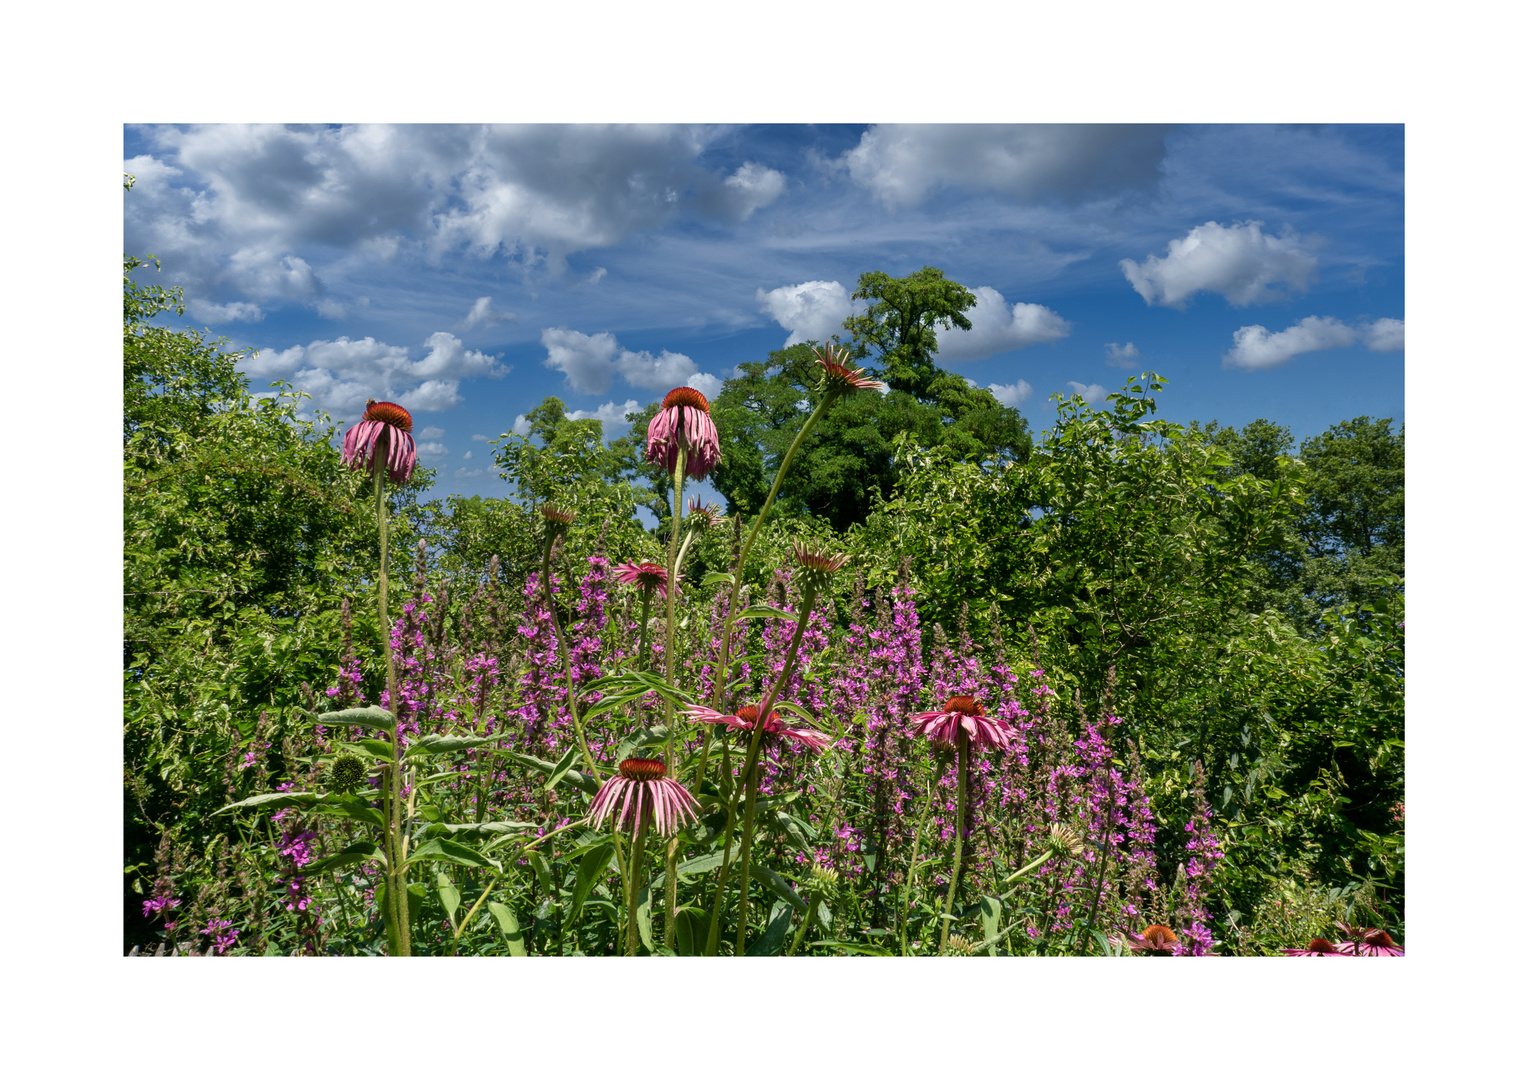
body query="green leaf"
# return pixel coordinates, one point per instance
(350, 806)
(276, 800)
(645, 917)
(509, 926)
(777, 885)
(992, 907)
(479, 830)
(564, 763)
(450, 896)
(542, 870)
(590, 868)
(853, 947)
(444, 744)
(572, 778)
(377, 719)
(442, 850)
(765, 611)
(356, 853)
(716, 577)
(772, 940)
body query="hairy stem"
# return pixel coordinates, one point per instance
(398, 943)
(963, 742)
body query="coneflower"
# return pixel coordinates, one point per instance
(684, 423)
(383, 437)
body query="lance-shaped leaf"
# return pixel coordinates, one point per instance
(373, 717)
(765, 611)
(450, 896)
(509, 926)
(475, 830)
(276, 800)
(440, 849)
(444, 744)
(590, 867)
(772, 940)
(353, 855)
(777, 885)
(572, 778)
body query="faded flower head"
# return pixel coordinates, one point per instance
(347, 772)
(383, 439)
(960, 945)
(640, 795)
(1066, 842)
(558, 519)
(646, 575)
(964, 713)
(684, 422)
(1318, 947)
(705, 516)
(747, 718)
(816, 568)
(824, 880)
(839, 376)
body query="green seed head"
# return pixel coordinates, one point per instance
(347, 773)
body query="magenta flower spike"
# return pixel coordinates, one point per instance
(986, 732)
(382, 438)
(747, 718)
(684, 422)
(647, 575)
(1318, 947)
(639, 794)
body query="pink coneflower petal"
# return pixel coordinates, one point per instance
(646, 575)
(1318, 947)
(382, 439)
(747, 717)
(644, 795)
(964, 713)
(684, 421)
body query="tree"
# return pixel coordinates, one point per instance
(900, 325)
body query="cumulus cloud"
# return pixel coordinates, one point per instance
(431, 432)
(465, 473)
(708, 385)
(1014, 394)
(811, 311)
(902, 164)
(1119, 356)
(590, 361)
(750, 188)
(432, 451)
(467, 456)
(212, 314)
(1253, 348)
(341, 374)
(1386, 335)
(521, 426)
(611, 415)
(1092, 393)
(483, 313)
(480, 438)
(330, 308)
(995, 328)
(1242, 263)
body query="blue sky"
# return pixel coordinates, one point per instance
(470, 271)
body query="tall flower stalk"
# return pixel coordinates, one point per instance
(558, 520)
(383, 444)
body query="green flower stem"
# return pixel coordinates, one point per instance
(635, 887)
(642, 654)
(397, 917)
(673, 593)
(742, 559)
(912, 866)
(474, 910)
(750, 782)
(562, 647)
(963, 742)
(671, 894)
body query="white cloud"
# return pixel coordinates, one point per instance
(662, 372)
(521, 426)
(465, 473)
(708, 385)
(584, 359)
(1121, 357)
(1254, 348)
(432, 395)
(341, 374)
(1241, 263)
(595, 277)
(1386, 335)
(330, 308)
(1092, 393)
(430, 432)
(610, 414)
(467, 456)
(995, 328)
(433, 451)
(748, 189)
(590, 360)
(1014, 394)
(480, 438)
(904, 163)
(237, 311)
(483, 313)
(811, 311)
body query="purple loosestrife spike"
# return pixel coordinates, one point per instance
(383, 438)
(684, 422)
(645, 797)
(964, 712)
